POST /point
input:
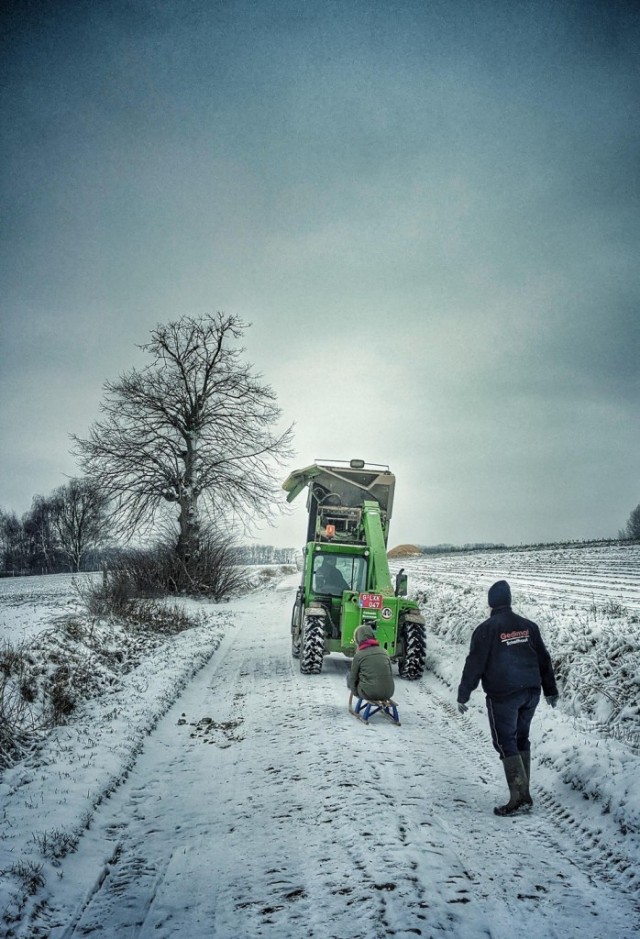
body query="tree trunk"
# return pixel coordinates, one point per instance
(187, 547)
(188, 540)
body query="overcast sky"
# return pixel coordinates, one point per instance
(429, 211)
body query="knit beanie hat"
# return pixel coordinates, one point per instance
(500, 594)
(363, 633)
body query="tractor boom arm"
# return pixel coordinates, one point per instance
(375, 541)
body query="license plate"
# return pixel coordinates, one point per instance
(371, 601)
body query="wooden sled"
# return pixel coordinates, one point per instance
(364, 709)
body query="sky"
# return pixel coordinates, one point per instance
(428, 213)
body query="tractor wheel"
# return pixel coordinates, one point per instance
(295, 631)
(312, 646)
(411, 665)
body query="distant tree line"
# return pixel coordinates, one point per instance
(68, 531)
(264, 554)
(64, 531)
(450, 548)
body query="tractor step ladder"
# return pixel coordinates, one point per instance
(364, 709)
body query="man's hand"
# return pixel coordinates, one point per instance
(552, 700)
(463, 708)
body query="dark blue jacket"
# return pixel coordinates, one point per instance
(507, 654)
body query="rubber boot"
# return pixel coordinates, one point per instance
(517, 783)
(526, 762)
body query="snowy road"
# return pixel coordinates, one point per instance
(259, 808)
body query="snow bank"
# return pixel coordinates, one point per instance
(50, 798)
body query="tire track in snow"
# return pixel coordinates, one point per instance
(600, 859)
(503, 856)
(123, 829)
(553, 826)
(260, 808)
(306, 861)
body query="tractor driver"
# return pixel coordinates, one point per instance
(329, 578)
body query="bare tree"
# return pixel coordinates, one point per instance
(43, 547)
(632, 528)
(78, 519)
(194, 430)
(14, 544)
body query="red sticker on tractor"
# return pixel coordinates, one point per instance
(371, 601)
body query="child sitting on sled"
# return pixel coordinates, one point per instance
(370, 676)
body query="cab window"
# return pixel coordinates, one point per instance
(334, 573)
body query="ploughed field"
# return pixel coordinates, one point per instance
(602, 573)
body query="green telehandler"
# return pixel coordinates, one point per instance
(346, 580)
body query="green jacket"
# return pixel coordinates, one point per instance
(371, 675)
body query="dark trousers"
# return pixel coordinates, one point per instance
(510, 719)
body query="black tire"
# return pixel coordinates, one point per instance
(411, 665)
(312, 646)
(295, 631)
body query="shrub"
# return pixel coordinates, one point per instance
(265, 576)
(20, 712)
(159, 572)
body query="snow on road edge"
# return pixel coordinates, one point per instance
(54, 794)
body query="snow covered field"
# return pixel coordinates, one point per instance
(30, 604)
(216, 792)
(594, 574)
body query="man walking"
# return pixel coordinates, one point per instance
(508, 655)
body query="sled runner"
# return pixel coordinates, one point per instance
(364, 710)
